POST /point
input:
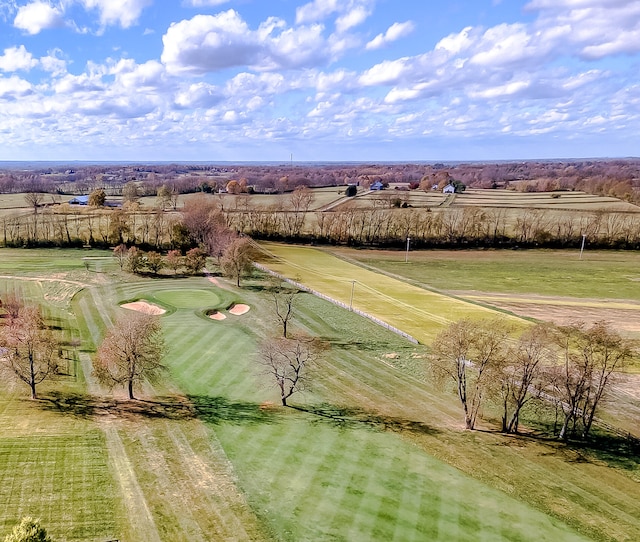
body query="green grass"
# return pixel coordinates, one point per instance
(311, 477)
(600, 274)
(55, 260)
(417, 311)
(373, 451)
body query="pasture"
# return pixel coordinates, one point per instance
(371, 452)
(418, 311)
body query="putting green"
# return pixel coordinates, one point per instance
(188, 299)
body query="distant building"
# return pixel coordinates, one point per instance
(449, 189)
(79, 200)
(376, 186)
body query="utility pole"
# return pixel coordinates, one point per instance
(353, 287)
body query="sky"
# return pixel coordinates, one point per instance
(319, 80)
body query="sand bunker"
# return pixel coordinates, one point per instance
(143, 306)
(239, 309)
(217, 316)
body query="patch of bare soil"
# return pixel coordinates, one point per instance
(624, 316)
(239, 309)
(144, 307)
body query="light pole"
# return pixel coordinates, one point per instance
(353, 287)
(584, 237)
(406, 254)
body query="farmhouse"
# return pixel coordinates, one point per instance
(449, 189)
(79, 200)
(377, 186)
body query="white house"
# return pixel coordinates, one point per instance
(449, 189)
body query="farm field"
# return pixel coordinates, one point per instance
(493, 199)
(417, 311)
(542, 284)
(571, 201)
(372, 452)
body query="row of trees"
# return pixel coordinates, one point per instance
(207, 223)
(569, 367)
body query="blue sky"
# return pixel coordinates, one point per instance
(361, 80)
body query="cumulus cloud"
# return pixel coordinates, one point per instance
(204, 3)
(209, 43)
(122, 12)
(14, 87)
(350, 13)
(198, 95)
(37, 16)
(352, 18)
(317, 10)
(17, 59)
(393, 33)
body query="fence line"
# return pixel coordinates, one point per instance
(338, 303)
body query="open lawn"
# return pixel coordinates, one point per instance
(371, 452)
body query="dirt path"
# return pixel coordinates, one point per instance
(141, 521)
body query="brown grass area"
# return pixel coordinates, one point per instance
(623, 316)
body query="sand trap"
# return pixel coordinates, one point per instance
(239, 309)
(143, 306)
(217, 316)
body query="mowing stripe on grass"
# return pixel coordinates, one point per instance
(416, 311)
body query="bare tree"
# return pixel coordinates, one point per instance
(468, 352)
(120, 254)
(520, 377)
(591, 357)
(34, 200)
(28, 349)
(237, 260)
(283, 304)
(289, 363)
(131, 352)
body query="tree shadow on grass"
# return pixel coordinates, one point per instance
(354, 417)
(213, 410)
(217, 410)
(90, 406)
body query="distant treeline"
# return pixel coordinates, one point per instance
(200, 222)
(618, 178)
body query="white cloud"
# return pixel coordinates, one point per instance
(37, 16)
(352, 18)
(205, 3)
(317, 10)
(123, 12)
(53, 64)
(393, 33)
(198, 95)
(17, 59)
(14, 87)
(209, 43)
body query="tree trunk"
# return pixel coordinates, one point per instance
(130, 386)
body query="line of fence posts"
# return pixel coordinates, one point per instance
(338, 303)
